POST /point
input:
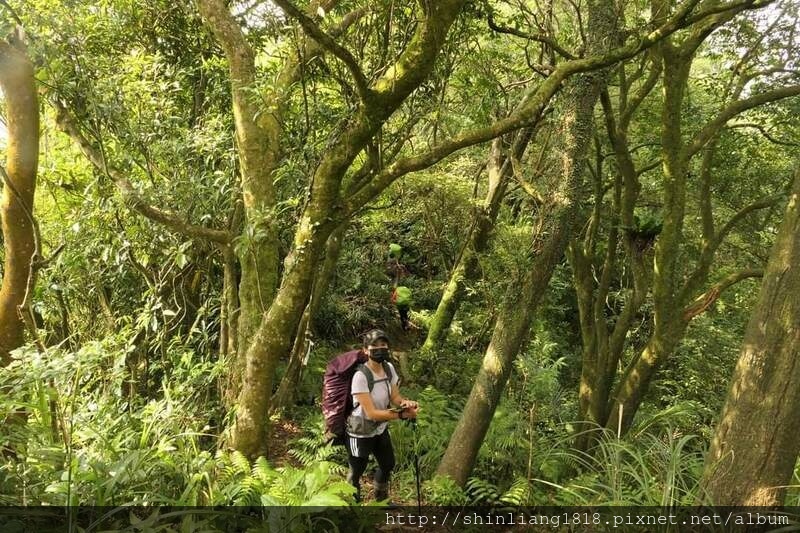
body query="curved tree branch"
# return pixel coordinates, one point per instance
(699, 275)
(703, 302)
(767, 135)
(538, 37)
(130, 195)
(527, 113)
(740, 106)
(763, 203)
(330, 44)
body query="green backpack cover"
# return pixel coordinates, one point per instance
(403, 297)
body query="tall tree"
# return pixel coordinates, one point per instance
(260, 146)
(755, 445)
(322, 213)
(679, 296)
(258, 137)
(19, 184)
(603, 344)
(556, 223)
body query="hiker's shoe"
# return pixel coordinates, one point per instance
(355, 485)
(382, 493)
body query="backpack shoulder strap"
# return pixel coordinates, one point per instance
(364, 369)
(388, 371)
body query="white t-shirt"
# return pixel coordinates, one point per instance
(381, 395)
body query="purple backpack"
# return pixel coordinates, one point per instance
(336, 399)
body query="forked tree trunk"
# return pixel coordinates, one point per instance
(674, 294)
(640, 372)
(19, 183)
(756, 445)
(258, 147)
(275, 335)
(557, 225)
(603, 344)
(274, 338)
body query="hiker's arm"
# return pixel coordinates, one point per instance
(378, 415)
(397, 398)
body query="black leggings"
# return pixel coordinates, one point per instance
(359, 450)
(404, 319)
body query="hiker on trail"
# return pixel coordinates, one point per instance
(401, 295)
(401, 298)
(374, 388)
(394, 268)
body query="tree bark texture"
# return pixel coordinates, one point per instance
(285, 394)
(678, 295)
(755, 447)
(669, 324)
(324, 212)
(22, 153)
(258, 136)
(603, 344)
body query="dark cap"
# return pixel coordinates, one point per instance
(374, 335)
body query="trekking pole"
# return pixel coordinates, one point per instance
(416, 464)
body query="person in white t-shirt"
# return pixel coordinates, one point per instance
(367, 432)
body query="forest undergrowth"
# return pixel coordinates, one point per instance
(84, 443)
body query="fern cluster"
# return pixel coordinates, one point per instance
(239, 482)
(313, 448)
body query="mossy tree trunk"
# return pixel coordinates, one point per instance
(19, 184)
(324, 211)
(603, 343)
(258, 138)
(499, 167)
(678, 292)
(285, 394)
(557, 222)
(755, 445)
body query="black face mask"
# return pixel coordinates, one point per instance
(379, 355)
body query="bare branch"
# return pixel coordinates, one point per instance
(740, 106)
(648, 167)
(538, 37)
(763, 132)
(763, 203)
(712, 18)
(698, 276)
(525, 185)
(530, 109)
(328, 42)
(703, 302)
(636, 100)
